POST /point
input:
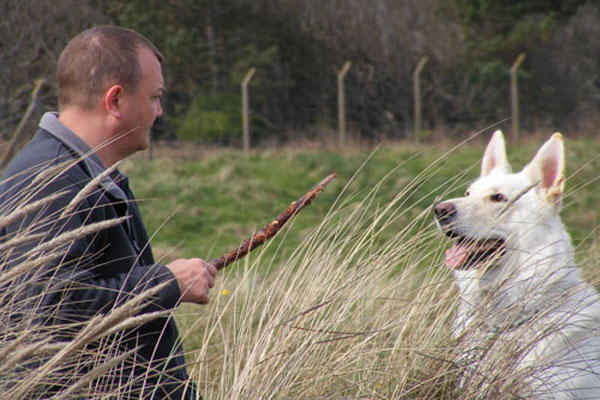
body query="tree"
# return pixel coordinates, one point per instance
(30, 43)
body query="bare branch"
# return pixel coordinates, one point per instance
(272, 228)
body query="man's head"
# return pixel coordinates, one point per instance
(97, 58)
(110, 85)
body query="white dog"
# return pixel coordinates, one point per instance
(522, 299)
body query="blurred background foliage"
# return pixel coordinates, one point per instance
(212, 116)
(298, 46)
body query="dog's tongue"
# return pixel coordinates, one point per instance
(456, 256)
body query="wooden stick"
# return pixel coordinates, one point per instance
(271, 229)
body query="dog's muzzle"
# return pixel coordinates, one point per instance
(445, 212)
(468, 251)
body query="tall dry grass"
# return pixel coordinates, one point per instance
(344, 317)
(73, 359)
(363, 309)
(357, 313)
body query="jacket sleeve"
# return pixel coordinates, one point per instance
(75, 285)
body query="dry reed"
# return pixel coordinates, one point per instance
(363, 309)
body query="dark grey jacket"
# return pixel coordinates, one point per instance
(102, 270)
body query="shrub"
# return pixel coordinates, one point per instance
(212, 117)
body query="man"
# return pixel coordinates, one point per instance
(109, 85)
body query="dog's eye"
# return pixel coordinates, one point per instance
(498, 198)
(467, 193)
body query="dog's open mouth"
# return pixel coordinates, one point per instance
(467, 253)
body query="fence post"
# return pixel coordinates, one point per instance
(417, 97)
(17, 133)
(245, 117)
(342, 102)
(514, 96)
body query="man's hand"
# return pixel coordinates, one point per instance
(195, 277)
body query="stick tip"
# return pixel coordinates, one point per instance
(330, 177)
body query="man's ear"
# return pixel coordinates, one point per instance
(494, 157)
(113, 101)
(548, 168)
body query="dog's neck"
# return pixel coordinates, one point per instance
(498, 288)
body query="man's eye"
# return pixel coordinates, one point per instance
(498, 198)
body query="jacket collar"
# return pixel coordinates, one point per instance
(92, 163)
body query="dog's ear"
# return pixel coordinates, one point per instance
(494, 158)
(548, 168)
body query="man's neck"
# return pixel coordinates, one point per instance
(90, 127)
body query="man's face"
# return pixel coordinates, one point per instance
(143, 105)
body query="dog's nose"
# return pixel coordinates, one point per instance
(444, 212)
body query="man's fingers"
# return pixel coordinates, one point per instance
(196, 277)
(204, 299)
(209, 267)
(211, 273)
(210, 279)
(212, 269)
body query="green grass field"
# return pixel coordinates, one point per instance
(208, 202)
(351, 299)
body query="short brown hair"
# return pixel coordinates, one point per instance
(97, 58)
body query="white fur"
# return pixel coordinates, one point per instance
(533, 294)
